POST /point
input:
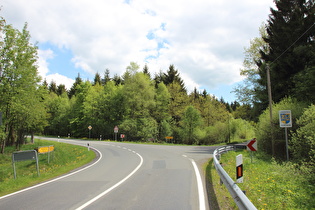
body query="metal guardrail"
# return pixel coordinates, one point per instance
(238, 195)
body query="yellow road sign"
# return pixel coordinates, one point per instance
(46, 149)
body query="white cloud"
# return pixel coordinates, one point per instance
(43, 65)
(59, 79)
(204, 39)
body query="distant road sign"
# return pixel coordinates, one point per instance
(169, 137)
(252, 145)
(116, 129)
(285, 118)
(22, 156)
(90, 127)
(45, 149)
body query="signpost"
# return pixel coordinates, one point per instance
(285, 120)
(116, 131)
(252, 147)
(90, 128)
(169, 138)
(46, 149)
(239, 168)
(22, 156)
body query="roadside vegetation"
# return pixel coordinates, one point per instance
(65, 158)
(149, 107)
(268, 184)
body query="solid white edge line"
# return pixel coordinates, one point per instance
(113, 187)
(202, 203)
(56, 179)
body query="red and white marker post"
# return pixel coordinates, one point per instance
(252, 147)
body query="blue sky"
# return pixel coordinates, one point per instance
(204, 39)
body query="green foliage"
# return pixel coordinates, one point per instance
(190, 122)
(291, 43)
(241, 130)
(268, 184)
(303, 142)
(263, 131)
(21, 98)
(66, 157)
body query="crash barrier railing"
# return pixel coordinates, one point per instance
(238, 195)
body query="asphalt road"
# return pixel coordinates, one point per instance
(125, 176)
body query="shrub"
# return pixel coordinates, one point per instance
(263, 129)
(303, 142)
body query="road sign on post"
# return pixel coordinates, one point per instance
(90, 128)
(252, 145)
(22, 156)
(285, 120)
(116, 131)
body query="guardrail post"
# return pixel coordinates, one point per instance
(237, 194)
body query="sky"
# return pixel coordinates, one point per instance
(203, 39)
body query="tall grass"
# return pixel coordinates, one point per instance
(66, 157)
(268, 184)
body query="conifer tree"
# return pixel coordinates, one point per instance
(291, 43)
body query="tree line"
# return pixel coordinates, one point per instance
(144, 107)
(147, 107)
(286, 47)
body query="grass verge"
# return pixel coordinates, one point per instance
(66, 158)
(268, 184)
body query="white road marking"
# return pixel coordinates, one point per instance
(202, 203)
(53, 180)
(113, 187)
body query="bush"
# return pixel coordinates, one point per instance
(303, 142)
(263, 130)
(241, 129)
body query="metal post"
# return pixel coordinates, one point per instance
(13, 163)
(37, 166)
(286, 142)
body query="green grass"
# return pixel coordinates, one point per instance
(268, 184)
(66, 157)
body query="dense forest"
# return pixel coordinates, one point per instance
(142, 107)
(149, 107)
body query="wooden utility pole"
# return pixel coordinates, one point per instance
(270, 111)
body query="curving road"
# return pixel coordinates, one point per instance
(125, 176)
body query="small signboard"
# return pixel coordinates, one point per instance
(23, 156)
(45, 149)
(252, 145)
(285, 118)
(116, 129)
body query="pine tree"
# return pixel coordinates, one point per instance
(97, 79)
(73, 89)
(291, 43)
(172, 76)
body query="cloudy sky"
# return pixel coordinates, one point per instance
(204, 39)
